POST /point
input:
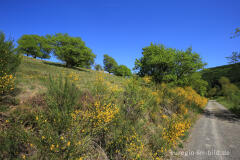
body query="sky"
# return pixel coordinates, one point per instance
(121, 28)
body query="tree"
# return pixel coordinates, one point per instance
(122, 70)
(35, 45)
(234, 58)
(227, 88)
(9, 60)
(198, 84)
(72, 50)
(46, 46)
(212, 92)
(109, 64)
(236, 33)
(168, 64)
(98, 67)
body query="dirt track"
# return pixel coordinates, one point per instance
(215, 136)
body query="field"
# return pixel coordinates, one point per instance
(61, 113)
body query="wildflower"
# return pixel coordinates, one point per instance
(36, 117)
(164, 116)
(52, 147)
(68, 143)
(23, 156)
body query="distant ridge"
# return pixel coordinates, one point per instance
(231, 71)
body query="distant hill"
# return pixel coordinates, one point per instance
(231, 71)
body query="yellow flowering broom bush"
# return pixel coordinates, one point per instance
(7, 83)
(9, 62)
(133, 120)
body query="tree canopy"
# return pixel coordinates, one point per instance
(109, 63)
(236, 33)
(98, 67)
(34, 45)
(8, 59)
(122, 70)
(72, 50)
(234, 58)
(168, 64)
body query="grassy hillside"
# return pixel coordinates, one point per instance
(63, 113)
(232, 71)
(32, 73)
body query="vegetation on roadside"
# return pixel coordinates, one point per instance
(104, 117)
(173, 66)
(228, 94)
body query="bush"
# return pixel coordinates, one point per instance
(132, 120)
(60, 129)
(227, 88)
(98, 67)
(9, 61)
(14, 142)
(212, 92)
(122, 70)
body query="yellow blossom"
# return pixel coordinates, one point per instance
(68, 143)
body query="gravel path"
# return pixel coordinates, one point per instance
(215, 136)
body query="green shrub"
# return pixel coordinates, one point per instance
(14, 142)
(60, 132)
(227, 88)
(122, 70)
(212, 92)
(9, 62)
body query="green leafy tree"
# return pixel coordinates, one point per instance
(122, 70)
(34, 45)
(9, 60)
(198, 84)
(45, 46)
(236, 33)
(212, 92)
(72, 50)
(168, 64)
(109, 64)
(227, 88)
(98, 67)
